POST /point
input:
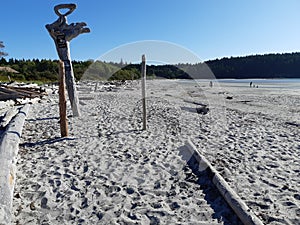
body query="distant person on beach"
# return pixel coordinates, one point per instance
(251, 84)
(210, 83)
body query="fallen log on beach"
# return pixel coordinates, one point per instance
(9, 146)
(234, 201)
(14, 93)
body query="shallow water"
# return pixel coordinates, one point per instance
(261, 83)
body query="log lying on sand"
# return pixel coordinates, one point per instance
(13, 93)
(234, 201)
(9, 146)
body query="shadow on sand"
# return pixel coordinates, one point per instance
(42, 119)
(46, 142)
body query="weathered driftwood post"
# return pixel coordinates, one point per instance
(144, 92)
(62, 101)
(62, 33)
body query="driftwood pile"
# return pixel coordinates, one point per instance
(18, 92)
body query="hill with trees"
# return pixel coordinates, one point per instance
(256, 66)
(43, 70)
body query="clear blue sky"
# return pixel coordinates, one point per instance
(209, 28)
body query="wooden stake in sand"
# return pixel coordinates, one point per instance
(144, 92)
(62, 33)
(62, 101)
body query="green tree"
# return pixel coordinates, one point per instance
(1, 47)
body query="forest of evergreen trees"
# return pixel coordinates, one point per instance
(44, 70)
(255, 66)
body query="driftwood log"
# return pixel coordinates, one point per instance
(234, 201)
(9, 146)
(13, 93)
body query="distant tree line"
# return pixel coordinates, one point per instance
(132, 71)
(43, 70)
(256, 66)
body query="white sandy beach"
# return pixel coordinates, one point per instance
(109, 171)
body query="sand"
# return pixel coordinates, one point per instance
(109, 171)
